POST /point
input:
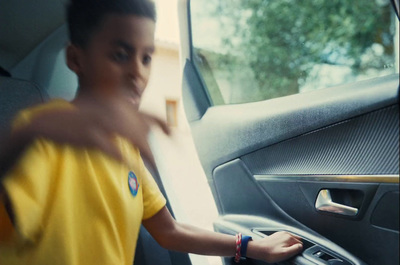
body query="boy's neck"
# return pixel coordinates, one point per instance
(85, 96)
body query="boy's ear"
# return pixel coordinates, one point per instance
(74, 60)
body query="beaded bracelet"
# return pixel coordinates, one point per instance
(241, 246)
(238, 247)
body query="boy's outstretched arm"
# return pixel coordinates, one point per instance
(91, 125)
(186, 238)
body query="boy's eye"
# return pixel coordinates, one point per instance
(146, 59)
(120, 56)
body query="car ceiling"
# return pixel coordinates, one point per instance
(24, 24)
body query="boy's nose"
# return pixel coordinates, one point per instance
(136, 68)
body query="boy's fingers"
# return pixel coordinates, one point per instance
(162, 124)
(104, 143)
(135, 129)
(296, 239)
(296, 236)
(110, 149)
(146, 153)
(291, 238)
(294, 249)
(166, 129)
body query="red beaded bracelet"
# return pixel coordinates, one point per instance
(238, 247)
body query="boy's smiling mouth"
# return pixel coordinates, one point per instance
(134, 95)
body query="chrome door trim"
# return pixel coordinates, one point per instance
(393, 179)
(324, 203)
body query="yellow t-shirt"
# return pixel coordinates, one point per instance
(77, 206)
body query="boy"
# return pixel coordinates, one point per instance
(77, 205)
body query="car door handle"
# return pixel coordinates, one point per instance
(324, 203)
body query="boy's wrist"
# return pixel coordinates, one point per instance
(23, 136)
(241, 246)
(245, 242)
(253, 251)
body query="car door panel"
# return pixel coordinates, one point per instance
(239, 193)
(263, 226)
(267, 162)
(244, 128)
(346, 230)
(271, 159)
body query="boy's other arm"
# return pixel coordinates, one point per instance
(12, 147)
(186, 238)
(6, 225)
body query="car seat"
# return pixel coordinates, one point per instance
(15, 95)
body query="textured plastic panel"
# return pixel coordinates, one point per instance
(368, 144)
(195, 100)
(227, 132)
(386, 213)
(234, 185)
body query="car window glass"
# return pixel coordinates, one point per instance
(252, 50)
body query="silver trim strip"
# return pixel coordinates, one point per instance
(331, 178)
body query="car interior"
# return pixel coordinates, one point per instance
(323, 165)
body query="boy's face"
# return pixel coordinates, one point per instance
(117, 60)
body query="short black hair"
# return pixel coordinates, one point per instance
(85, 16)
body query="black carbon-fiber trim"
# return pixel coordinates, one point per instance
(368, 144)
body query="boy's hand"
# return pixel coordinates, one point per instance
(93, 124)
(274, 248)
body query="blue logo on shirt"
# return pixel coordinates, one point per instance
(133, 183)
